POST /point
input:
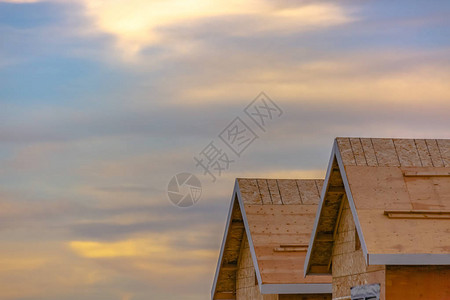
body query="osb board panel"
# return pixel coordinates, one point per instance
(264, 191)
(444, 149)
(246, 287)
(280, 191)
(424, 154)
(309, 191)
(385, 152)
(358, 151)
(435, 153)
(289, 191)
(418, 282)
(346, 151)
(407, 153)
(348, 264)
(394, 152)
(305, 297)
(369, 152)
(274, 225)
(274, 191)
(249, 191)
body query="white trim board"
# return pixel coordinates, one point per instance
(335, 154)
(297, 288)
(249, 236)
(319, 210)
(409, 259)
(224, 239)
(351, 202)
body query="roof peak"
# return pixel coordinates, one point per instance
(394, 152)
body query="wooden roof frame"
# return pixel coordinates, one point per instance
(291, 288)
(370, 258)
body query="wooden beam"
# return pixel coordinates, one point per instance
(324, 237)
(417, 214)
(319, 269)
(336, 189)
(225, 295)
(229, 267)
(292, 248)
(437, 173)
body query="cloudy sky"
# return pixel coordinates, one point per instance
(102, 102)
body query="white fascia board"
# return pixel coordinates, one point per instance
(297, 288)
(319, 210)
(249, 236)
(224, 239)
(409, 259)
(351, 202)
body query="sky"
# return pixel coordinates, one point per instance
(103, 102)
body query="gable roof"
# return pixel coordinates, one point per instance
(277, 216)
(399, 194)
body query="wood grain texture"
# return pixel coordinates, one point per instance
(424, 154)
(435, 154)
(249, 191)
(407, 153)
(345, 148)
(358, 151)
(348, 264)
(246, 285)
(375, 190)
(308, 191)
(264, 191)
(274, 191)
(369, 152)
(226, 280)
(418, 282)
(385, 152)
(289, 191)
(274, 225)
(444, 149)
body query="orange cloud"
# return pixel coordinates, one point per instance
(137, 23)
